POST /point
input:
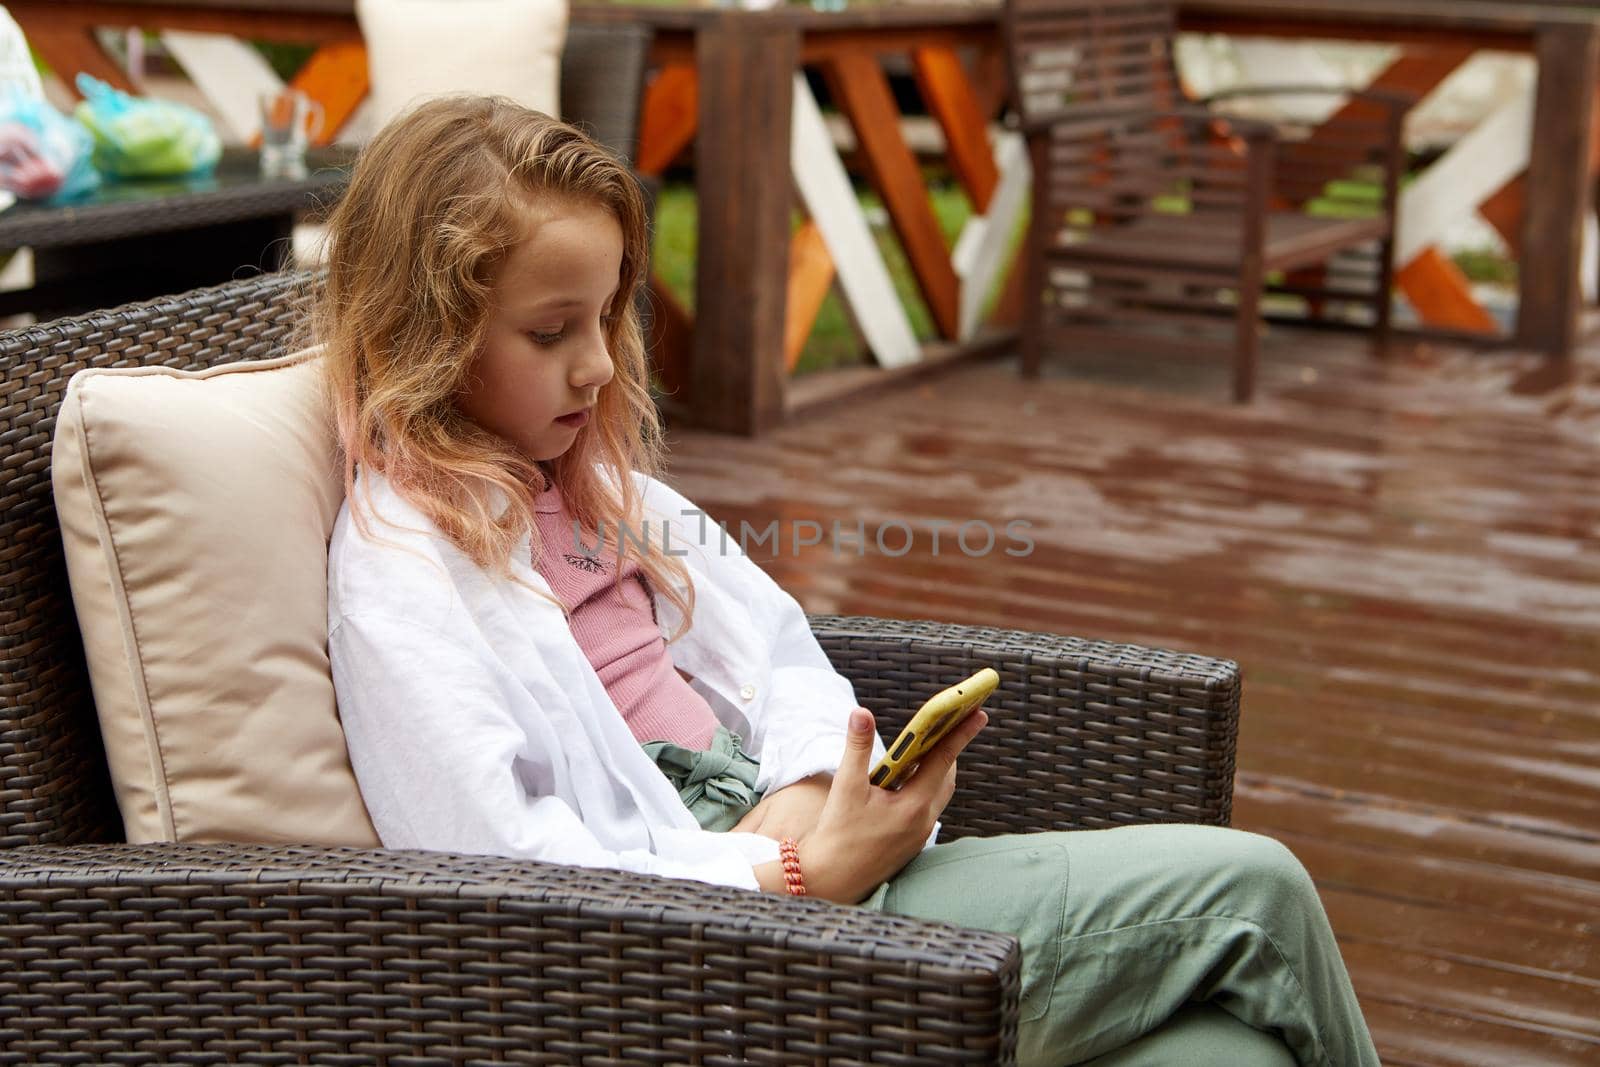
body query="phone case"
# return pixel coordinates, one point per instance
(930, 723)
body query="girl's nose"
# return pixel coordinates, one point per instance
(596, 369)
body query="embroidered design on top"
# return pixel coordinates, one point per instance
(590, 564)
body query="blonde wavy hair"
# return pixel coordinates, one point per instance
(434, 204)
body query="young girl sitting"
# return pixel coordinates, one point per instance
(540, 650)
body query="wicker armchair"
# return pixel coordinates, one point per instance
(1162, 223)
(602, 81)
(247, 953)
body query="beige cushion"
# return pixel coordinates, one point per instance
(421, 48)
(195, 513)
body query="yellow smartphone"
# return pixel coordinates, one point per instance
(929, 724)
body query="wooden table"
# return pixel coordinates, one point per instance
(743, 64)
(137, 240)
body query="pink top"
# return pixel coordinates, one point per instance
(616, 628)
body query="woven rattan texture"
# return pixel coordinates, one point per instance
(54, 788)
(1082, 734)
(242, 954)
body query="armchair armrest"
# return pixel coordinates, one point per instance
(1392, 99)
(1370, 137)
(1194, 115)
(254, 950)
(1082, 734)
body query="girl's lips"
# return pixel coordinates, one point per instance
(577, 419)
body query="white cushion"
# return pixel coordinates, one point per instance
(420, 48)
(195, 513)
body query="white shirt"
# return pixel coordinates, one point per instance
(476, 724)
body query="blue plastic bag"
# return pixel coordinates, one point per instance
(137, 137)
(44, 155)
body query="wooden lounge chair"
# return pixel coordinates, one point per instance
(257, 953)
(1158, 222)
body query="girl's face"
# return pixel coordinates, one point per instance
(544, 356)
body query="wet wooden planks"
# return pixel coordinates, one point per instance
(1403, 556)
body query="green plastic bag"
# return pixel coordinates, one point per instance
(137, 137)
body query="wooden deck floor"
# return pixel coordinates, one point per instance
(1402, 556)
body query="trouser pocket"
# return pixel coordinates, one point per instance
(1014, 885)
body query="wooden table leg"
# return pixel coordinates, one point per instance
(1549, 295)
(744, 190)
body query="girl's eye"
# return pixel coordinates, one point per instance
(550, 337)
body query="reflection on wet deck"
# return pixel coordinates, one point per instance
(1405, 559)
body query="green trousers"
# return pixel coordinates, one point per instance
(1142, 946)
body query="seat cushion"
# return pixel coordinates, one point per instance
(195, 513)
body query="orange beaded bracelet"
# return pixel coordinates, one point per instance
(792, 878)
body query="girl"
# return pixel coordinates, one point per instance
(542, 651)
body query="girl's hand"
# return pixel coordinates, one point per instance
(865, 834)
(788, 812)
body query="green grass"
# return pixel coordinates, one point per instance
(1486, 264)
(833, 341)
(285, 58)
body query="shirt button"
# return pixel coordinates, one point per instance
(747, 692)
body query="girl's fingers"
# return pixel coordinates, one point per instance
(941, 759)
(853, 769)
(958, 739)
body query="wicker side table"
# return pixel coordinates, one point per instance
(139, 240)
